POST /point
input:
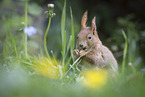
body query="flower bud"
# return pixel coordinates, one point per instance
(51, 5)
(50, 12)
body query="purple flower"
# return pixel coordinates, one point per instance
(30, 30)
(143, 70)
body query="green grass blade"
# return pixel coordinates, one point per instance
(67, 63)
(63, 33)
(68, 46)
(13, 44)
(125, 51)
(73, 34)
(41, 52)
(26, 21)
(32, 55)
(53, 55)
(24, 61)
(5, 50)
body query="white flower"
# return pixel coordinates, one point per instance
(30, 30)
(51, 5)
(130, 64)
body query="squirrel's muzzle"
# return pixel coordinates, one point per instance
(83, 47)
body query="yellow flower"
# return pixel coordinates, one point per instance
(95, 78)
(48, 67)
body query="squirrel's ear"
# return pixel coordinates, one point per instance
(84, 20)
(93, 26)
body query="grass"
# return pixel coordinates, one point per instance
(63, 33)
(18, 77)
(125, 51)
(25, 35)
(73, 34)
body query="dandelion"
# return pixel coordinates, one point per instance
(48, 67)
(94, 78)
(30, 30)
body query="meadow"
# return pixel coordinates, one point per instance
(39, 61)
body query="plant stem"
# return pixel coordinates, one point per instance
(124, 52)
(25, 39)
(45, 46)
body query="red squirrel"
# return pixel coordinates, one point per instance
(99, 56)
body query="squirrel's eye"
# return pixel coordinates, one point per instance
(89, 37)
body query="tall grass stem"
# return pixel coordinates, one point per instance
(45, 46)
(73, 34)
(124, 52)
(25, 36)
(63, 33)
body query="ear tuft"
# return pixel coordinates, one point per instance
(84, 20)
(93, 26)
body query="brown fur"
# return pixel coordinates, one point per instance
(99, 56)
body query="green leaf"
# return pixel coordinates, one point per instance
(125, 51)
(73, 34)
(63, 33)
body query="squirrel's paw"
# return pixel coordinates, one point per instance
(76, 51)
(81, 52)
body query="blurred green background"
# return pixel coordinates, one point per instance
(111, 17)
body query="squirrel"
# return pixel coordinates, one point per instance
(99, 55)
